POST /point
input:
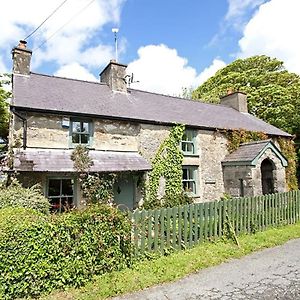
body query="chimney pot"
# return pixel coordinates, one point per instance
(22, 44)
(229, 91)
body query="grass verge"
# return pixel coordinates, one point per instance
(177, 265)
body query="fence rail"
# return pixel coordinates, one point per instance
(185, 226)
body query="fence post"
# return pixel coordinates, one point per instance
(201, 223)
(162, 230)
(150, 223)
(196, 224)
(175, 228)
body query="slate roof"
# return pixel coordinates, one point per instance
(55, 160)
(62, 95)
(247, 153)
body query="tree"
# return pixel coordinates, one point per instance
(4, 114)
(273, 95)
(273, 92)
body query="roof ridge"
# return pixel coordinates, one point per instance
(182, 99)
(67, 78)
(256, 142)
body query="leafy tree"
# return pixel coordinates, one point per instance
(4, 114)
(273, 92)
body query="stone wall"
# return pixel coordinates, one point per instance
(46, 131)
(232, 180)
(115, 135)
(150, 138)
(212, 150)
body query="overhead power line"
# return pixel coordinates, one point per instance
(65, 24)
(35, 30)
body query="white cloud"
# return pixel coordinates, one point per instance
(3, 68)
(238, 8)
(75, 71)
(216, 65)
(274, 31)
(160, 69)
(79, 41)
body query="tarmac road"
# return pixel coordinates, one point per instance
(272, 273)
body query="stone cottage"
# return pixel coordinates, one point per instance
(124, 127)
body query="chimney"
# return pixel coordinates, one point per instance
(21, 57)
(236, 100)
(114, 76)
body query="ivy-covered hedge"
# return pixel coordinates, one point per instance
(17, 196)
(39, 253)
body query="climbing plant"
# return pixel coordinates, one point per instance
(236, 137)
(287, 146)
(96, 188)
(167, 166)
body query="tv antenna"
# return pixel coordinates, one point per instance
(115, 31)
(129, 79)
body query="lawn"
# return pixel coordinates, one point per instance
(177, 265)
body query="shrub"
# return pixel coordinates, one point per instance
(176, 200)
(17, 196)
(39, 253)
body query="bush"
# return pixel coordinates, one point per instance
(176, 200)
(39, 253)
(17, 196)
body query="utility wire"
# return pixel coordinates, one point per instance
(55, 10)
(65, 24)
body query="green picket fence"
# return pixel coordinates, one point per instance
(185, 226)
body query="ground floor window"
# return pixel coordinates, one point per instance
(189, 179)
(61, 194)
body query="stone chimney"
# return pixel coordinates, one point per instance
(21, 57)
(114, 76)
(236, 100)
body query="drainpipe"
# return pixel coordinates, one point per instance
(24, 121)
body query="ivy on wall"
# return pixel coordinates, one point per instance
(166, 165)
(287, 147)
(237, 137)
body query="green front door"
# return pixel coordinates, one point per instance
(124, 192)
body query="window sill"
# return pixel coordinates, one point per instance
(190, 155)
(73, 146)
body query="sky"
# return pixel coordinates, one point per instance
(168, 45)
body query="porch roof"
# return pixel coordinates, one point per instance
(57, 160)
(249, 153)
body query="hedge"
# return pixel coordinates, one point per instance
(17, 196)
(39, 253)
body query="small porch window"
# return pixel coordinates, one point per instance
(189, 179)
(61, 194)
(188, 142)
(80, 132)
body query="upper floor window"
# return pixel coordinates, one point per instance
(80, 132)
(188, 142)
